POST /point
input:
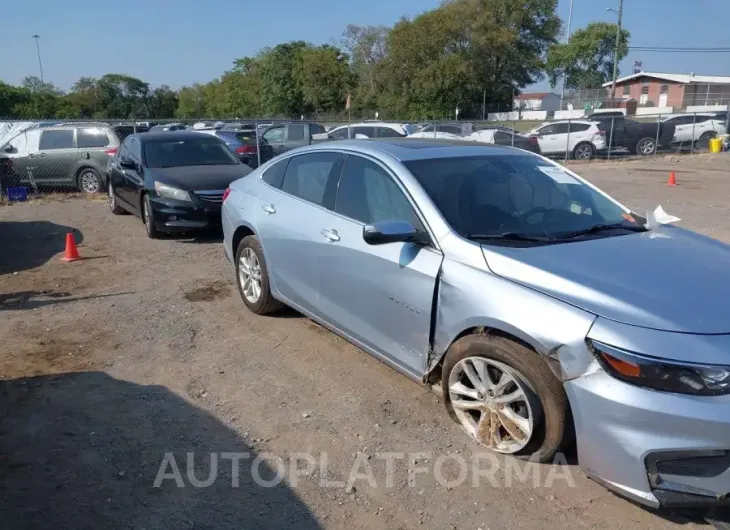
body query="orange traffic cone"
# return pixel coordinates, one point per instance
(672, 179)
(72, 253)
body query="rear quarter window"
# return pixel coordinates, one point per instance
(91, 137)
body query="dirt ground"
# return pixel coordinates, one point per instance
(145, 349)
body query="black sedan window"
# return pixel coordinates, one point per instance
(187, 152)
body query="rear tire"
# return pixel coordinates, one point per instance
(89, 180)
(545, 403)
(584, 151)
(705, 138)
(646, 146)
(252, 278)
(113, 204)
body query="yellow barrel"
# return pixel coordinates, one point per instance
(715, 145)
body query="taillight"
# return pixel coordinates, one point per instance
(226, 194)
(111, 152)
(245, 149)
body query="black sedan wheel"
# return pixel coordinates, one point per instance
(148, 217)
(113, 204)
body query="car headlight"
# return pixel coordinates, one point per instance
(701, 380)
(168, 192)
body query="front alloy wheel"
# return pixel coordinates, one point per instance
(492, 404)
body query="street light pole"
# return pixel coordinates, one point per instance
(615, 53)
(567, 40)
(38, 49)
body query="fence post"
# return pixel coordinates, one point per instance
(567, 144)
(434, 129)
(514, 128)
(258, 145)
(692, 139)
(658, 127)
(610, 138)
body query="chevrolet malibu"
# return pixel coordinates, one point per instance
(541, 307)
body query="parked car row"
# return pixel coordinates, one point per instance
(491, 275)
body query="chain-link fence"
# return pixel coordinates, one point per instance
(66, 156)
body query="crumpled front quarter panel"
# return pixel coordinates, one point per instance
(471, 296)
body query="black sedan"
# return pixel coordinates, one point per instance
(174, 180)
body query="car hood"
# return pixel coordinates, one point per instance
(671, 279)
(192, 178)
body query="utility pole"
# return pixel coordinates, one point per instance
(38, 49)
(567, 40)
(615, 52)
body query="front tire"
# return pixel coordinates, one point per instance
(252, 278)
(584, 151)
(505, 397)
(148, 217)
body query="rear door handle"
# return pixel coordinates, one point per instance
(268, 208)
(330, 234)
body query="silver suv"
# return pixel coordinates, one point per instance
(73, 154)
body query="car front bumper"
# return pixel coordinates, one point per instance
(661, 449)
(174, 216)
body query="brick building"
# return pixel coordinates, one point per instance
(655, 89)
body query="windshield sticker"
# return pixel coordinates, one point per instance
(557, 174)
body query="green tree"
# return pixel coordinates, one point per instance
(367, 48)
(34, 85)
(281, 94)
(450, 56)
(191, 102)
(239, 92)
(162, 103)
(323, 76)
(10, 98)
(121, 96)
(586, 61)
(83, 97)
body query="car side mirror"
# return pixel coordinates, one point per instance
(8, 149)
(383, 232)
(126, 163)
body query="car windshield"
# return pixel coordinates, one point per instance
(511, 195)
(187, 152)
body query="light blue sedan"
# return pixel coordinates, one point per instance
(539, 306)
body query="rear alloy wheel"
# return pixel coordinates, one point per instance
(252, 277)
(113, 205)
(646, 147)
(89, 181)
(149, 219)
(583, 151)
(505, 397)
(704, 140)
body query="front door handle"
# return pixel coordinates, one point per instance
(268, 208)
(331, 234)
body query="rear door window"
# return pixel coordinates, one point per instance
(91, 137)
(366, 131)
(56, 139)
(339, 134)
(579, 127)
(307, 176)
(296, 133)
(387, 132)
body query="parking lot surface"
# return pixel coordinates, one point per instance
(145, 349)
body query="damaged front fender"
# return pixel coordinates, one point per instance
(471, 299)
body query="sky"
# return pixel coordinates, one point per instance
(179, 42)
